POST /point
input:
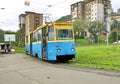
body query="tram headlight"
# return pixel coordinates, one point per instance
(72, 49)
(58, 50)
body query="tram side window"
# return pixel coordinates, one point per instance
(26, 39)
(39, 35)
(50, 33)
(35, 37)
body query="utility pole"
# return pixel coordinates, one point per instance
(117, 30)
(108, 22)
(98, 20)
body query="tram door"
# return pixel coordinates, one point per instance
(44, 50)
(31, 39)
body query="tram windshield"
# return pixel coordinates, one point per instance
(64, 34)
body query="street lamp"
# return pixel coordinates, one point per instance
(108, 22)
(118, 26)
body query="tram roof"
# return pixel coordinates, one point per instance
(52, 23)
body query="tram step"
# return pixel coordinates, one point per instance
(44, 58)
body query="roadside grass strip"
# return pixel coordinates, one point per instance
(98, 57)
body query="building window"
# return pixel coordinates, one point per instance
(37, 18)
(37, 24)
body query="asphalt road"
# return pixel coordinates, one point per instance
(23, 69)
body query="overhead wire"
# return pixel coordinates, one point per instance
(50, 6)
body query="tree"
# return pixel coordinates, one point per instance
(1, 36)
(95, 28)
(115, 36)
(79, 28)
(64, 18)
(9, 32)
(114, 25)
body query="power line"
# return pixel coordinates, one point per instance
(48, 6)
(60, 2)
(27, 3)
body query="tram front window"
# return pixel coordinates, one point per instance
(64, 34)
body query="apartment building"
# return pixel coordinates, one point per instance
(116, 17)
(28, 22)
(33, 20)
(22, 21)
(119, 11)
(90, 10)
(76, 11)
(97, 12)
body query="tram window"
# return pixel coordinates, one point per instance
(26, 39)
(64, 34)
(35, 38)
(39, 35)
(50, 33)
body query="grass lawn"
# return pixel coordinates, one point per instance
(83, 42)
(99, 57)
(20, 50)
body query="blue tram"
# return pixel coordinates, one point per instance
(52, 42)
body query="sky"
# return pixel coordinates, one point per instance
(9, 16)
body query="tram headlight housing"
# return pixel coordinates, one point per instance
(57, 45)
(58, 50)
(72, 49)
(73, 44)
